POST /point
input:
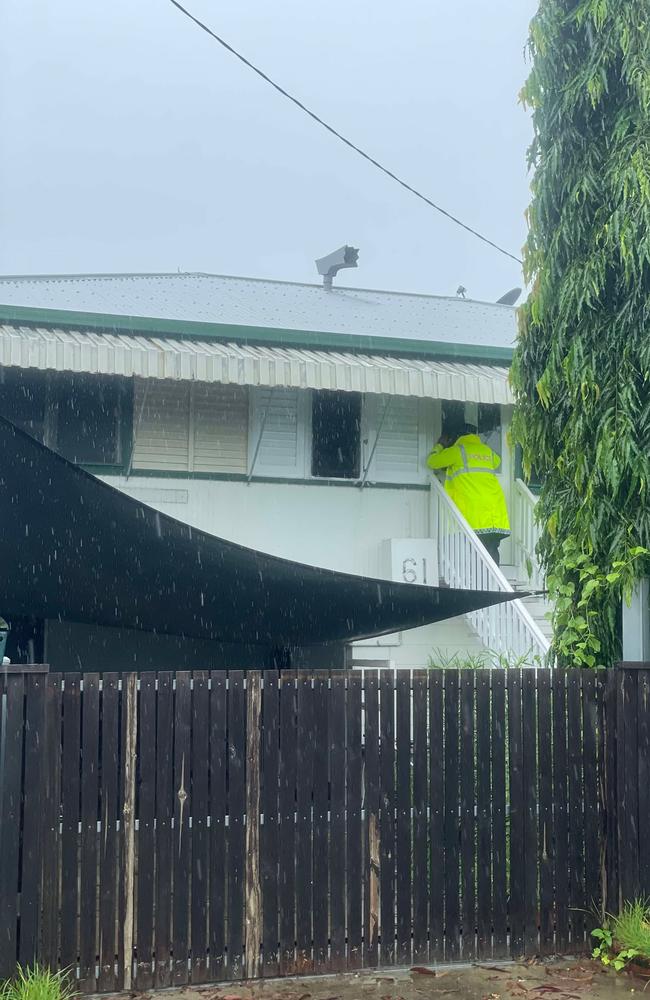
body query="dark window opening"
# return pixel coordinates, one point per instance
(88, 421)
(22, 400)
(336, 435)
(489, 426)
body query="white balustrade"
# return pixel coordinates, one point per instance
(464, 563)
(525, 536)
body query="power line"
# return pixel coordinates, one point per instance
(342, 138)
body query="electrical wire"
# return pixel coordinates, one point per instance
(342, 138)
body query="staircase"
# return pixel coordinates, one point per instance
(517, 630)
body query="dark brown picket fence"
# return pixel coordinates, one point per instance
(165, 829)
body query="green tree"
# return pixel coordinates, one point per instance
(581, 371)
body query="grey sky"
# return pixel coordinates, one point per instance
(133, 142)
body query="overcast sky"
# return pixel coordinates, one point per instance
(133, 142)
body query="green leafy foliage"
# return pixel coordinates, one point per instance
(37, 983)
(624, 937)
(581, 371)
(481, 660)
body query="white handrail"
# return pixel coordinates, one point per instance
(525, 536)
(464, 563)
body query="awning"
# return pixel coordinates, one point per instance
(77, 549)
(55, 349)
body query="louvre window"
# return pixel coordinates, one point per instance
(180, 427)
(277, 443)
(399, 432)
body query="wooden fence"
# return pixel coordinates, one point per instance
(191, 827)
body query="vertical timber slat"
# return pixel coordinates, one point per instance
(436, 817)
(483, 816)
(218, 802)
(52, 841)
(70, 786)
(499, 870)
(109, 977)
(164, 832)
(35, 818)
(199, 797)
(371, 822)
(337, 822)
(252, 884)
(88, 865)
(517, 826)
(320, 854)
(546, 829)
(353, 811)
(304, 788)
(287, 870)
(404, 832)
(452, 816)
(467, 823)
(420, 838)
(236, 808)
(146, 842)
(269, 834)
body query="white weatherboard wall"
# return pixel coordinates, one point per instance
(338, 527)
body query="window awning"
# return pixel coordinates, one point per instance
(57, 349)
(81, 551)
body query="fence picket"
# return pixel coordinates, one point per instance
(89, 845)
(34, 820)
(236, 807)
(146, 841)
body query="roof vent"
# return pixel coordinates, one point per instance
(335, 262)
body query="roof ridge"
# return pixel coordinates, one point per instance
(126, 276)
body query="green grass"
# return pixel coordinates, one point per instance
(631, 928)
(37, 983)
(480, 660)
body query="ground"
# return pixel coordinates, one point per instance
(567, 980)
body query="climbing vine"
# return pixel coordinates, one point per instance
(581, 371)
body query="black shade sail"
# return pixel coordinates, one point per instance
(79, 550)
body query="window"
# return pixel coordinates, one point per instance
(489, 426)
(180, 427)
(278, 426)
(397, 434)
(88, 413)
(336, 435)
(22, 400)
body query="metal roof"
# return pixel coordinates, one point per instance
(52, 349)
(177, 301)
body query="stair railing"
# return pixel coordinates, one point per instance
(525, 536)
(464, 563)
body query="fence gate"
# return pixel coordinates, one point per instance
(163, 829)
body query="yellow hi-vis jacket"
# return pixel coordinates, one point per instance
(472, 483)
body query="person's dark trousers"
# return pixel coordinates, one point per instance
(491, 540)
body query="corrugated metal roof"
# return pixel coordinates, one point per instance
(52, 349)
(278, 305)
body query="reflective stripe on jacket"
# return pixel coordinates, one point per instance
(472, 482)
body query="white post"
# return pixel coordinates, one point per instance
(636, 624)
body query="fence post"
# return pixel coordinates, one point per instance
(253, 894)
(128, 818)
(609, 795)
